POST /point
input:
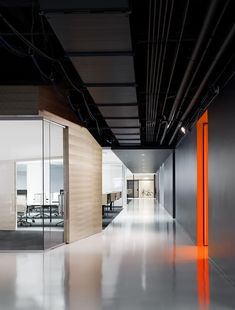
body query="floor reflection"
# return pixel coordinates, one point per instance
(203, 278)
(143, 260)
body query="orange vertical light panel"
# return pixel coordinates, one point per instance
(202, 180)
(205, 183)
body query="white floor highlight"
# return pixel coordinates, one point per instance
(143, 260)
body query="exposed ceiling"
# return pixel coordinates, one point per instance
(142, 161)
(134, 72)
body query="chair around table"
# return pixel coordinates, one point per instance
(21, 207)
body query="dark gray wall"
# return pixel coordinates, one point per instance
(185, 181)
(168, 185)
(222, 180)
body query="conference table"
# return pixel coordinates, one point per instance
(42, 211)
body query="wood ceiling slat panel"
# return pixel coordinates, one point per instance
(120, 137)
(92, 32)
(113, 94)
(129, 142)
(81, 4)
(125, 130)
(109, 69)
(130, 111)
(122, 122)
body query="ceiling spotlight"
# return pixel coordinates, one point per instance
(183, 130)
(143, 154)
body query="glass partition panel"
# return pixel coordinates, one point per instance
(53, 206)
(21, 185)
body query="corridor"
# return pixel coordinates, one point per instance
(142, 261)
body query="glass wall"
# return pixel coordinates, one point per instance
(140, 185)
(53, 185)
(31, 184)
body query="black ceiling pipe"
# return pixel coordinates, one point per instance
(157, 65)
(201, 59)
(151, 62)
(193, 59)
(173, 66)
(173, 69)
(148, 56)
(205, 79)
(157, 91)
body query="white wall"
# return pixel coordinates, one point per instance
(19, 140)
(34, 182)
(7, 195)
(111, 178)
(112, 172)
(161, 184)
(146, 188)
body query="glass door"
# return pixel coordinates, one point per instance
(53, 184)
(21, 183)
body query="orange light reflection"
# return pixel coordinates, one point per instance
(199, 255)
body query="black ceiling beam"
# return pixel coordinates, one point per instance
(12, 34)
(85, 11)
(126, 117)
(117, 104)
(127, 134)
(110, 84)
(125, 139)
(123, 127)
(99, 53)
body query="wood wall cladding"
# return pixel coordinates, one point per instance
(50, 101)
(18, 100)
(84, 216)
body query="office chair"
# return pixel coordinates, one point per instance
(61, 207)
(21, 207)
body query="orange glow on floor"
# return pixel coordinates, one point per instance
(199, 255)
(203, 278)
(189, 253)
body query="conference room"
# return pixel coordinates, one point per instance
(32, 207)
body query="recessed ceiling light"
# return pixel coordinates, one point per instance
(183, 130)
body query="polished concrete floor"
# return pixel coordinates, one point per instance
(142, 261)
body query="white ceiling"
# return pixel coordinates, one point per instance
(143, 160)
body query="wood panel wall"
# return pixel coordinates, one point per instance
(18, 100)
(51, 101)
(84, 171)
